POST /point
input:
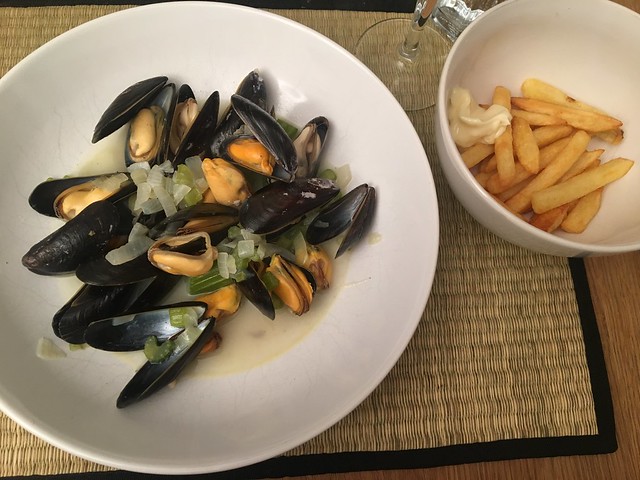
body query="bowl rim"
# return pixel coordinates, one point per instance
(458, 164)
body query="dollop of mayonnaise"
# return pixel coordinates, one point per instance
(470, 123)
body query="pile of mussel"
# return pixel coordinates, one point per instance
(260, 179)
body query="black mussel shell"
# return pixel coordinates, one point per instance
(196, 141)
(79, 239)
(99, 271)
(309, 144)
(128, 331)
(222, 217)
(91, 303)
(257, 293)
(157, 290)
(126, 105)
(354, 212)
(154, 376)
(252, 88)
(270, 134)
(279, 203)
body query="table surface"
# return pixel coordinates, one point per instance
(615, 288)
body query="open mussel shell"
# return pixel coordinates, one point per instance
(309, 144)
(269, 133)
(128, 331)
(296, 285)
(149, 129)
(79, 239)
(352, 213)
(252, 88)
(279, 204)
(154, 376)
(212, 218)
(56, 197)
(184, 115)
(196, 140)
(126, 105)
(89, 304)
(254, 290)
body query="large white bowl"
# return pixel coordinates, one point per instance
(49, 105)
(589, 48)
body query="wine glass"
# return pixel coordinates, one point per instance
(407, 55)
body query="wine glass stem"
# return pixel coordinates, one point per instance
(410, 47)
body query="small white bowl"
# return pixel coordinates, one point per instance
(588, 48)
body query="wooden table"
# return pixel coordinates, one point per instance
(615, 288)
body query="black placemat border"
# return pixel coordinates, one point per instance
(405, 6)
(286, 466)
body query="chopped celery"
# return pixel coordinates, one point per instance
(208, 282)
(193, 197)
(290, 130)
(270, 281)
(183, 176)
(277, 302)
(234, 232)
(79, 346)
(157, 353)
(182, 316)
(328, 174)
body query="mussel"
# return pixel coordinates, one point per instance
(254, 289)
(184, 115)
(213, 218)
(187, 255)
(309, 144)
(227, 184)
(126, 105)
(268, 150)
(252, 88)
(76, 241)
(295, 286)
(196, 140)
(352, 213)
(279, 204)
(130, 329)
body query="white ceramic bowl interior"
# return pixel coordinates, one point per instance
(50, 103)
(588, 48)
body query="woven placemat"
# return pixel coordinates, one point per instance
(498, 356)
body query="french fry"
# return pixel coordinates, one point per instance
(505, 162)
(476, 153)
(481, 178)
(580, 119)
(614, 137)
(547, 154)
(502, 96)
(521, 202)
(550, 133)
(525, 146)
(551, 220)
(539, 90)
(507, 194)
(553, 196)
(537, 119)
(581, 215)
(586, 161)
(489, 165)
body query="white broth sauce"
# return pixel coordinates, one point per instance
(249, 339)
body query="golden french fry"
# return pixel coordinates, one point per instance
(525, 146)
(476, 153)
(581, 119)
(551, 220)
(580, 185)
(587, 160)
(550, 133)
(547, 154)
(510, 192)
(539, 90)
(521, 202)
(537, 119)
(614, 137)
(505, 162)
(581, 215)
(502, 96)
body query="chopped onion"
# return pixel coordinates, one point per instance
(231, 264)
(111, 182)
(152, 205)
(165, 200)
(201, 184)
(144, 166)
(156, 177)
(47, 350)
(195, 165)
(223, 266)
(166, 167)
(130, 250)
(138, 230)
(246, 248)
(139, 176)
(300, 248)
(179, 192)
(143, 195)
(344, 176)
(249, 235)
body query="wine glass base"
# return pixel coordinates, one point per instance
(414, 82)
